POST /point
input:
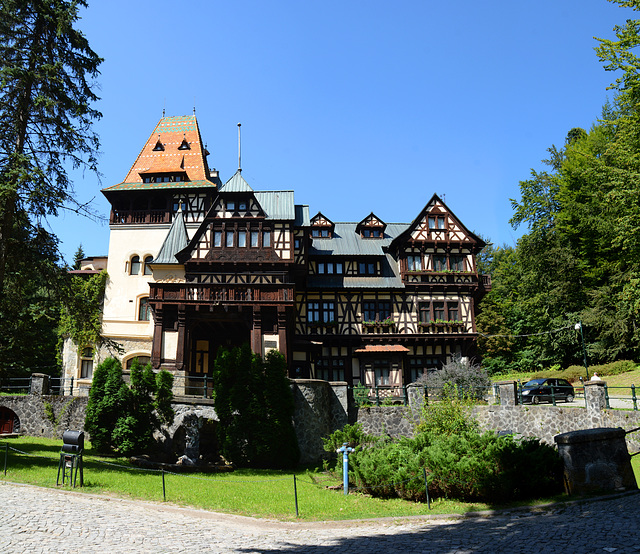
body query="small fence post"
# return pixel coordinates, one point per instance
(553, 395)
(377, 396)
(295, 493)
(606, 396)
(6, 455)
(426, 487)
(71, 387)
(204, 392)
(164, 491)
(633, 395)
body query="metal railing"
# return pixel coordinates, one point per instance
(624, 398)
(15, 385)
(389, 395)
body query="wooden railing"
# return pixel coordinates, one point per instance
(123, 217)
(232, 294)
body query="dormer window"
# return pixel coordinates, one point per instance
(159, 147)
(184, 145)
(321, 227)
(321, 233)
(371, 227)
(165, 178)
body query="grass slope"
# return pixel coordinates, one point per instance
(259, 493)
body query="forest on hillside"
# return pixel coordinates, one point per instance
(579, 260)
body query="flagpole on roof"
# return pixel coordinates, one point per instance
(239, 150)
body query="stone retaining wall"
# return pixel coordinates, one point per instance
(322, 407)
(66, 412)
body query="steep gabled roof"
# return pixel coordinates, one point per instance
(442, 208)
(176, 240)
(236, 184)
(164, 153)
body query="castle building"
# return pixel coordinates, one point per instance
(195, 264)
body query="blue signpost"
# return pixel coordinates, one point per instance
(346, 450)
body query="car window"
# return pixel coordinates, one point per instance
(563, 383)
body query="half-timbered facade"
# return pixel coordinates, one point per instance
(195, 264)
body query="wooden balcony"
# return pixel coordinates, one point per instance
(221, 294)
(128, 217)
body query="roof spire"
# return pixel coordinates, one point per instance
(239, 150)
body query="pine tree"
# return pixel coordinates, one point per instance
(46, 92)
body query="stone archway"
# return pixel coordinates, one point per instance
(9, 421)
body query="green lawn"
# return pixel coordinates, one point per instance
(259, 493)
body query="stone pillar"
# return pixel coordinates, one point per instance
(596, 460)
(415, 394)
(594, 396)
(508, 393)
(311, 418)
(339, 404)
(39, 384)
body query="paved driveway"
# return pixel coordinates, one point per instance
(43, 520)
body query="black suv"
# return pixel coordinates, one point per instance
(539, 390)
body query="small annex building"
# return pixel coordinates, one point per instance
(196, 263)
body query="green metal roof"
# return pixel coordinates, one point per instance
(175, 241)
(236, 184)
(347, 242)
(302, 216)
(389, 279)
(277, 204)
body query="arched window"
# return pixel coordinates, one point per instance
(144, 360)
(135, 266)
(147, 267)
(144, 310)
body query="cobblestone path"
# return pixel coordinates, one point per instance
(35, 519)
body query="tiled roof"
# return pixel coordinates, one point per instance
(170, 132)
(382, 348)
(277, 204)
(347, 242)
(175, 241)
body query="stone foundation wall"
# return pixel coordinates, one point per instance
(544, 422)
(67, 412)
(322, 407)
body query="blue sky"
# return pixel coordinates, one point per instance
(357, 106)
